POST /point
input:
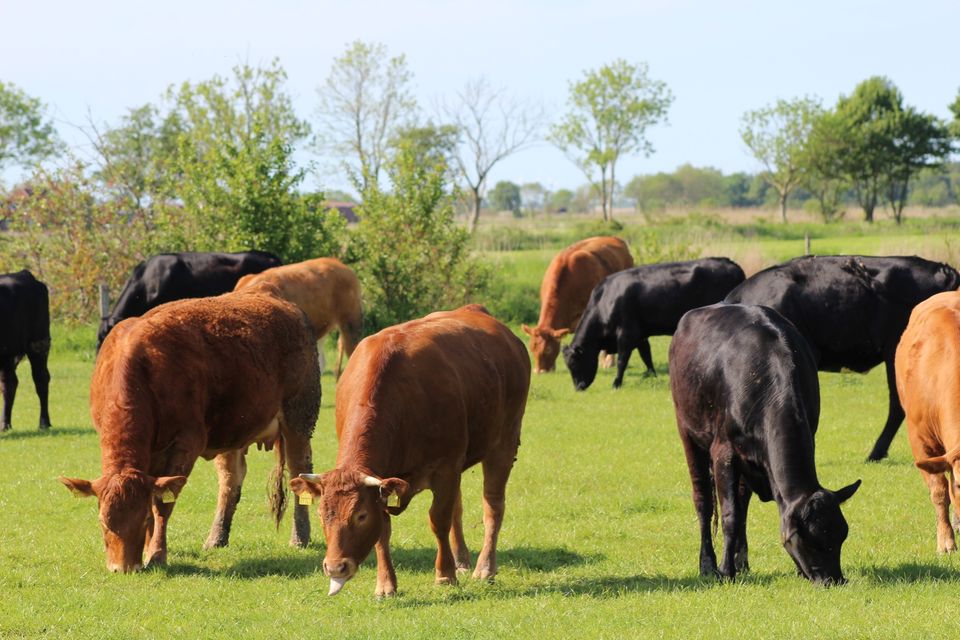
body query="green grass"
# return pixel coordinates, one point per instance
(599, 540)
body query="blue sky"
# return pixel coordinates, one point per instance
(721, 58)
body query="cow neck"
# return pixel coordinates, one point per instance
(366, 447)
(792, 470)
(125, 448)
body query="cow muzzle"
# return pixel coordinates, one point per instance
(119, 567)
(339, 572)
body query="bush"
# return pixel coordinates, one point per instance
(412, 256)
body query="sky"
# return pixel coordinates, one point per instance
(96, 59)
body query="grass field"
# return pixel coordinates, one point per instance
(599, 539)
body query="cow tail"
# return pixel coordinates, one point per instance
(716, 508)
(339, 354)
(277, 485)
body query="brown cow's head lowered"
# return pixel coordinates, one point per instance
(353, 507)
(545, 346)
(125, 506)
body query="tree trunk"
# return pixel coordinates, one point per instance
(783, 207)
(603, 194)
(475, 217)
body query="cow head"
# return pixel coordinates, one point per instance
(125, 507)
(353, 508)
(545, 346)
(813, 533)
(582, 366)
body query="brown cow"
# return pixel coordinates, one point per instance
(201, 377)
(418, 404)
(565, 291)
(928, 382)
(327, 290)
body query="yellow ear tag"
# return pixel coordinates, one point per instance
(393, 500)
(167, 497)
(305, 498)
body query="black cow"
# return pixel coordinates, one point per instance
(24, 331)
(173, 276)
(631, 305)
(852, 310)
(747, 398)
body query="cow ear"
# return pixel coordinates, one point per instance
(527, 330)
(169, 487)
(937, 464)
(394, 487)
(311, 483)
(559, 333)
(844, 494)
(79, 488)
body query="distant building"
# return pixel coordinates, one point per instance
(346, 210)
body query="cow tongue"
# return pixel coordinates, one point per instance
(335, 585)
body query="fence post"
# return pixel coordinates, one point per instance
(104, 300)
(806, 243)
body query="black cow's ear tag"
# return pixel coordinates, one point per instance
(393, 500)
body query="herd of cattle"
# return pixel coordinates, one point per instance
(206, 354)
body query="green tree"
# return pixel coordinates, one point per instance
(26, 135)
(561, 199)
(363, 103)
(505, 196)
(237, 178)
(609, 112)
(431, 143)
(885, 143)
(411, 255)
(534, 196)
(822, 161)
(775, 136)
(955, 110)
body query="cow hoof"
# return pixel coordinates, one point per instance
(158, 558)
(386, 592)
(485, 575)
(6, 427)
(43, 426)
(445, 580)
(214, 543)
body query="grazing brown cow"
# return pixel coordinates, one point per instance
(928, 383)
(201, 377)
(565, 291)
(418, 404)
(328, 292)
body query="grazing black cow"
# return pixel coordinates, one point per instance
(173, 276)
(852, 310)
(747, 398)
(24, 331)
(628, 307)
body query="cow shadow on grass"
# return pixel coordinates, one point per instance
(248, 569)
(911, 572)
(20, 433)
(539, 559)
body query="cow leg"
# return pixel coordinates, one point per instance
(299, 458)
(156, 549)
(37, 354)
(8, 384)
(496, 472)
(940, 497)
(606, 360)
(446, 486)
(955, 501)
(728, 483)
(743, 503)
(625, 346)
(461, 554)
(698, 463)
(895, 415)
(643, 348)
(386, 576)
(231, 470)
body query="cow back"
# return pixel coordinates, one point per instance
(24, 313)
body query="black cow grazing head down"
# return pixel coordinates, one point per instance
(852, 310)
(747, 400)
(24, 331)
(174, 276)
(628, 307)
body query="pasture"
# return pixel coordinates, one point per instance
(599, 538)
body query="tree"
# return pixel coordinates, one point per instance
(363, 103)
(775, 135)
(412, 256)
(533, 196)
(610, 110)
(494, 126)
(561, 200)
(26, 135)
(955, 110)
(237, 179)
(885, 144)
(505, 196)
(822, 162)
(430, 143)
